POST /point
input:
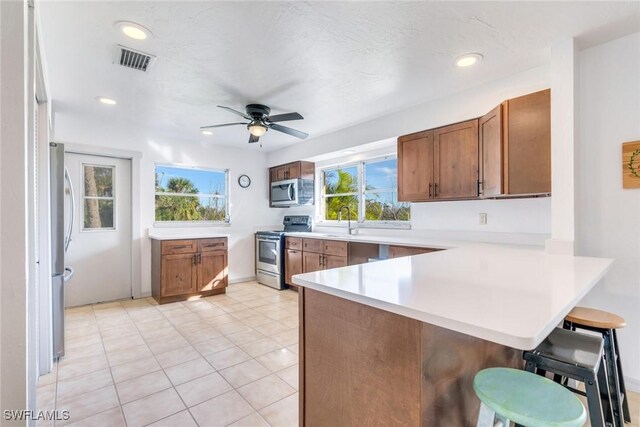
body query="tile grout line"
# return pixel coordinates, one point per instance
(175, 328)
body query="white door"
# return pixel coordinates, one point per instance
(100, 247)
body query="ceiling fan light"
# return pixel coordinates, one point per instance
(257, 129)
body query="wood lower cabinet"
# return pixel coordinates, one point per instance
(400, 251)
(293, 264)
(179, 274)
(334, 261)
(181, 269)
(311, 262)
(515, 143)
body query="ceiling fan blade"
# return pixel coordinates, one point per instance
(285, 117)
(253, 138)
(246, 116)
(289, 131)
(224, 124)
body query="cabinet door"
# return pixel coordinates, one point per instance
(491, 165)
(456, 161)
(335, 247)
(528, 144)
(334, 261)
(415, 167)
(292, 264)
(292, 170)
(212, 271)
(281, 173)
(273, 175)
(311, 262)
(179, 274)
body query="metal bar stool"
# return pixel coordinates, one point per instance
(579, 357)
(513, 395)
(605, 324)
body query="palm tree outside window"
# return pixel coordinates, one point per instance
(369, 188)
(189, 194)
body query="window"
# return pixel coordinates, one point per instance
(189, 194)
(98, 197)
(368, 188)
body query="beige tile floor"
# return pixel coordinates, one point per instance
(227, 360)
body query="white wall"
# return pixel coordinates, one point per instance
(16, 392)
(608, 216)
(249, 207)
(515, 216)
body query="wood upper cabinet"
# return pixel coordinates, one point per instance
(179, 274)
(515, 143)
(415, 167)
(292, 264)
(293, 170)
(456, 161)
(439, 164)
(490, 136)
(185, 268)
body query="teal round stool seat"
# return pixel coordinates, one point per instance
(527, 399)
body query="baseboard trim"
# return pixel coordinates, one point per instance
(632, 384)
(241, 280)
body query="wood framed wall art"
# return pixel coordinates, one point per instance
(631, 164)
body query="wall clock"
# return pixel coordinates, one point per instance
(244, 181)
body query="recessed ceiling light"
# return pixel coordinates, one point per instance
(207, 132)
(348, 151)
(468, 59)
(107, 101)
(133, 30)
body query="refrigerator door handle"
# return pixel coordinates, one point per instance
(66, 276)
(72, 210)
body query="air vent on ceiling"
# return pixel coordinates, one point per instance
(132, 58)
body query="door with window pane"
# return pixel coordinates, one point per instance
(100, 248)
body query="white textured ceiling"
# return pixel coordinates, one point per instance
(337, 63)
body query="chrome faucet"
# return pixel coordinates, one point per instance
(348, 217)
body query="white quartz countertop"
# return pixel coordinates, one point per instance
(504, 294)
(186, 234)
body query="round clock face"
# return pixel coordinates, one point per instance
(244, 181)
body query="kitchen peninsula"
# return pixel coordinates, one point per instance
(398, 342)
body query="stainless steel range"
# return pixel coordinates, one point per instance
(270, 251)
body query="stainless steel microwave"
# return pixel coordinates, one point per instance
(292, 192)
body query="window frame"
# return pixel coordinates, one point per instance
(361, 193)
(202, 223)
(83, 229)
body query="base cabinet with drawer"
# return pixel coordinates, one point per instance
(308, 255)
(181, 269)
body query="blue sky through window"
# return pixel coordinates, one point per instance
(207, 182)
(381, 175)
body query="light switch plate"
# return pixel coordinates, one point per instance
(483, 218)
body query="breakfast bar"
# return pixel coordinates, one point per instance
(398, 342)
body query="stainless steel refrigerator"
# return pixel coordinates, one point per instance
(60, 240)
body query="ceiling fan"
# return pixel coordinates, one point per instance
(260, 121)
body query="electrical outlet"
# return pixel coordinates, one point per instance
(483, 218)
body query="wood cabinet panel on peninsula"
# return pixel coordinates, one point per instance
(181, 269)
